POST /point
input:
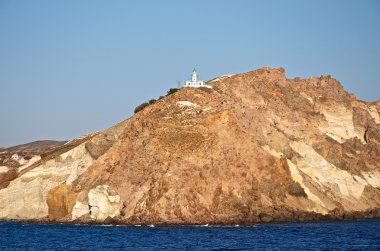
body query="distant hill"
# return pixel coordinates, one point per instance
(36, 147)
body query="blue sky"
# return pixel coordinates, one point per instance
(71, 67)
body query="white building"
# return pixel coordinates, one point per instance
(194, 82)
(15, 156)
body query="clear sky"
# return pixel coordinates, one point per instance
(72, 67)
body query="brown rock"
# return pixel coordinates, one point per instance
(7, 177)
(61, 201)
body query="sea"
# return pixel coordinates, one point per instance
(338, 235)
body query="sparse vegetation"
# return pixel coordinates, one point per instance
(152, 101)
(171, 91)
(140, 107)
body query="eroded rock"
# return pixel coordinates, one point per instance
(26, 196)
(61, 200)
(79, 210)
(103, 203)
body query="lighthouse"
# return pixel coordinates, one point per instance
(194, 76)
(194, 82)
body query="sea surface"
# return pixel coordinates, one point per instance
(344, 235)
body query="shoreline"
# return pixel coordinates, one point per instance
(355, 216)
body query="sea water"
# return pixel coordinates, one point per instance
(342, 235)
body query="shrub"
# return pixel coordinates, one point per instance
(140, 107)
(152, 101)
(171, 91)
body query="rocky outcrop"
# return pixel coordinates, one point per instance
(7, 174)
(103, 203)
(258, 147)
(60, 201)
(26, 196)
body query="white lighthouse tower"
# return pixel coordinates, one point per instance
(194, 82)
(194, 76)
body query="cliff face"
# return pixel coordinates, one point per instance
(257, 147)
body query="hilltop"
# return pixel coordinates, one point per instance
(36, 147)
(257, 147)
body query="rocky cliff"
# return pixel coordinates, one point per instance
(257, 147)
